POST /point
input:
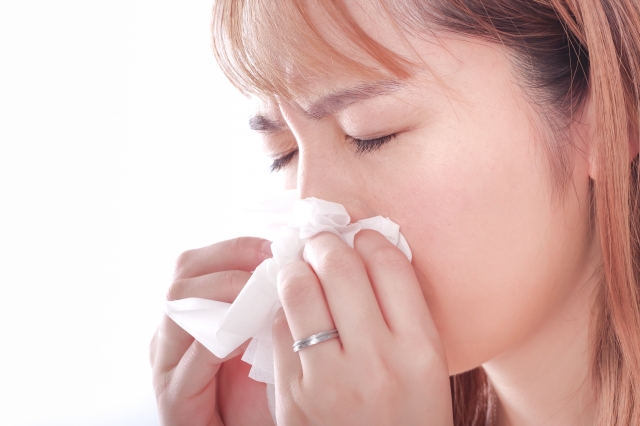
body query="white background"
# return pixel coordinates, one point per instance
(121, 145)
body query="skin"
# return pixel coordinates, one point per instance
(186, 376)
(507, 273)
(504, 267)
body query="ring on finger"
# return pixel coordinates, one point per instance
(315, 339)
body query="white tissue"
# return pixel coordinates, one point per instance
(222, 327)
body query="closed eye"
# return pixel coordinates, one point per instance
(365, 146)
(280, 162)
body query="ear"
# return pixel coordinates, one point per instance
(585, 132)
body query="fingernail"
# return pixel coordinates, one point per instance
(266, 248)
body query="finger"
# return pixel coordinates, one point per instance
(287, 364)
(172, 341)
(237, 254)
(153, 348)
(240, 399)
(347, 289)
(222, 286)
(394, 282)
(306, 310)
(197, 367)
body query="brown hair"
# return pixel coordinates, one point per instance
(564, 52)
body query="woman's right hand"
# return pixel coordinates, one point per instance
(194, 387)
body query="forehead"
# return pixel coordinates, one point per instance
(461, 70)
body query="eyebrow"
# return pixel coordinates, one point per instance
(331, 103)
(262, 123)
(341, 99)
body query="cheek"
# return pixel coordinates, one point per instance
(490, 248)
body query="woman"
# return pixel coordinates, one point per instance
(502, 136)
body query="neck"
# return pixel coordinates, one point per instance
(546, 380)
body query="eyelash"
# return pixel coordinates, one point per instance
(281, 162)
(363, 146)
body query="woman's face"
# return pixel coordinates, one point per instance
(465, 177)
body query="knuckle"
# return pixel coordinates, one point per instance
(389, 258)
(416, 341)
(337, 261)
(236, 280)
(177, 289)
(182, 263)
(293, 401)
(245, 246)
(385, 384)
(430, 362)
(235, 245)
(190, 355)
(248, 248)
(293, 286)
(161, 386)
(382, 388)
(331, 395)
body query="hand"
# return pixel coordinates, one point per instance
(388, 366)
(194, 387)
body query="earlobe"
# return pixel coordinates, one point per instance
(634, 149)
(593, 166)
(586, 136)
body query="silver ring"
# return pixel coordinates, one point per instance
(315, 339)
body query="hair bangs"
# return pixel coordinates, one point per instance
(272, 48)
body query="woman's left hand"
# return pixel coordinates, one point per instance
(388, 366)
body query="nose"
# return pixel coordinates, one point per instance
(324, 174)
(327, 167)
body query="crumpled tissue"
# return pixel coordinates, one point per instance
(223, 327)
